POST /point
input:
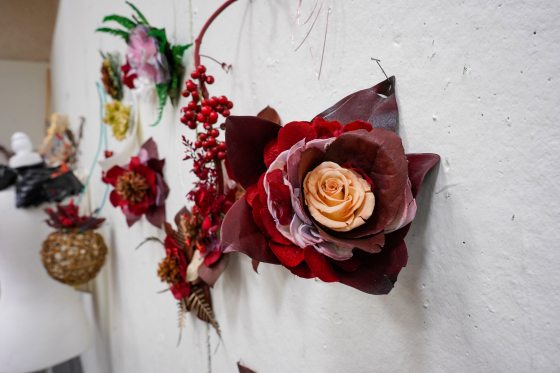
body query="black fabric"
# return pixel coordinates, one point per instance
(36, 185)
(7, 177)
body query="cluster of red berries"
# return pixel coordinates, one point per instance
(205, 112)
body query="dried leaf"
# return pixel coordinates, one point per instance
(270, 114)
(244, 369)
(149, 239)
(199, 303)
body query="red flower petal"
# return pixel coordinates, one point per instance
(111, 176)
(271, 152)
(270, 228)
(319, 264)
(293, 132)
(357, 125)
(326, 129)
(289, 255)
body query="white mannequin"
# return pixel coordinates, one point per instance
(23, 149)
(42, 322)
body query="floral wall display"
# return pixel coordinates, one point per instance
(150, 59)
(139, 188)
(331, 198)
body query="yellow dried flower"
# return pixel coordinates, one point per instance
(117, 115)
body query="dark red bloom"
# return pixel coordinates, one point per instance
(68, 217)
(139, 186)
(128, 76)
(274, 224)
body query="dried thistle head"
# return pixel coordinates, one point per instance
(168, 271)
(132, 187)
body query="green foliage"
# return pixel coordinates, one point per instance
(161, 90)
(139, 14)
(178, 51)
(160, 35)
(127, 23)
(115, 32)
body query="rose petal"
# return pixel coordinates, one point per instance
(290, 256)
(376, 105)
(210, 274)
(239, 233)
(319, 265)
(357, 125)
(246, 138)
(380, 154)
(294, 132)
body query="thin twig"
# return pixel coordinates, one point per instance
(310, 28)
(324, 44)
(226, 67)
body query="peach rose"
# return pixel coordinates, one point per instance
(337, 197)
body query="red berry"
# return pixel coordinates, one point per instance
(191, 124)
(225, 113)
(195, 96)
(192, 105)
(222, 146)
(185, 93)
(210, 79)
(200, 117)
(190, 86)
(202, 136)
(195, 75)
(189, 114)
(221, 155)
(211, 142)
(214, 133)
(229, 105)
(213, 102)
(184, 119)
(208, 155)
(206, 110)
(213, 117)
(197, 144)
(223, 100)
(201, 69)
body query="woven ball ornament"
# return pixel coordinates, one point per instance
(73, 257)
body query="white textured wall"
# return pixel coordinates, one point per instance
(22, 100)
(477, 83)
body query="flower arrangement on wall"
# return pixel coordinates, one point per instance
(331, 198)
(139, 188)
(74, 253)
(150, 58)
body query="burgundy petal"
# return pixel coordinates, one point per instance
(246, 138)
(156, 216)
(376, 105)
(418, 167)
(210, 274)
(240, 234)
(151, 149)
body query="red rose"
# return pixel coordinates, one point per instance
(332, 198)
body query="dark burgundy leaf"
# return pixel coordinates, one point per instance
(376, 105)
(241, 234)
(418, 166)
(246, 138)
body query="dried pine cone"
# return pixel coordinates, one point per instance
(168, 271)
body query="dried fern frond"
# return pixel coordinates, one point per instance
(199, 302)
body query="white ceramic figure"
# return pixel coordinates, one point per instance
(23, 149)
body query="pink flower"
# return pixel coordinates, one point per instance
(144, 57)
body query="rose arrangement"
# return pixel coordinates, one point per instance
(139, 187)
(150, 58)
(332, 198)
